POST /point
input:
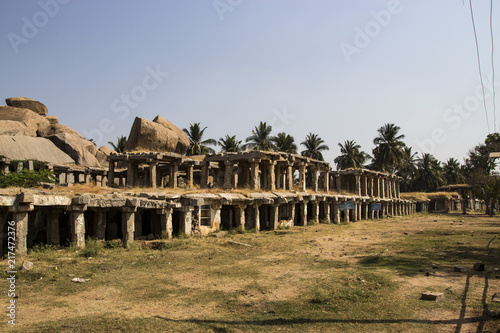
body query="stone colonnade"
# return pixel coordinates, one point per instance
(59, 220)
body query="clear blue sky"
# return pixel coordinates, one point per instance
(340, 68)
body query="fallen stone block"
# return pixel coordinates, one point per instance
(496, 298)
(460, 269)
(27, 266)
(432, 296)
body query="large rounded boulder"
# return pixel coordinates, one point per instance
(27, 103)
(159, 135)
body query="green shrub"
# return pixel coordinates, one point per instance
(92, 247)
(27, 178)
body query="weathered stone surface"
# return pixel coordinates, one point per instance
(460, 269)
(28, 148)
(10, 127)
(102, 155)
(159, 135)
(27, 266)
(54, 129)
(31, 120)
(53, 120)
(81, 150)
(27, 103)
(432, 296)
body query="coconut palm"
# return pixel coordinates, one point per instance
(119, 147)
(389, 153)
(314, 146)
(429, 174)
(198, 146)
(452, 172)
(229, 144)
(284, 143)
(408, 169)
(351, 156)
(260, 138)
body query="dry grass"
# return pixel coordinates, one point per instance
(424, 196)
(360, 277)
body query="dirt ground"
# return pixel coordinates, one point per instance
(212, 285)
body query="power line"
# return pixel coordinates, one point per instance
(479, 65)
(493, 68)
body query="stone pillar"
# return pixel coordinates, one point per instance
(174, 169)
(77, 224)
(152, 174)
(138, 223)
(382, 188)
(254, 174)
(204, 174)
(128, 224)
(240, 216)
(326, 180)
(347, 216)
(355, 212)
(20, 216)
(111, 173)
(398, 190)
(314, 212)
(326, 211)
(190, 177)
(289, 176)
(187, 220)
(365, 186)
(257, 216)
(302, 177)
(357, 185)
(303, 213)
(364, 210)
(166, 222)
(372, 212)
(336, 213)
(315, 176)
(271, 180)
(371, 187)
(358, 205)
(228, 172)
(273, 218)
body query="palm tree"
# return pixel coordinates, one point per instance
(284, 143)
(120, 144)
(408, 170)
(197, 145)
(389, 151)
(351, 156)
(429, 175)
(314, 146)
(260, 138)
(229, 144)
(452, 172)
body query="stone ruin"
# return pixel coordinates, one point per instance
(250, 190)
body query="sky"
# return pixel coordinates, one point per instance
(340, 69)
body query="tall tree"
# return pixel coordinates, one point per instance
(198, 146)
(119, 147)
(452, 172)
(478, 171)
(389, 152)
(408, 170)
(284, 143)
(429, 174)
(314, 146)
(229, 144)
(351, 156)
(260, 138)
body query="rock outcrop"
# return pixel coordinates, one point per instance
(102, 155)
(81, 150)
(33, 121)
(159, 135)
(25, 148)
(27, 103)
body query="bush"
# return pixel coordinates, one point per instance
(27, 178)
(92, 248)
